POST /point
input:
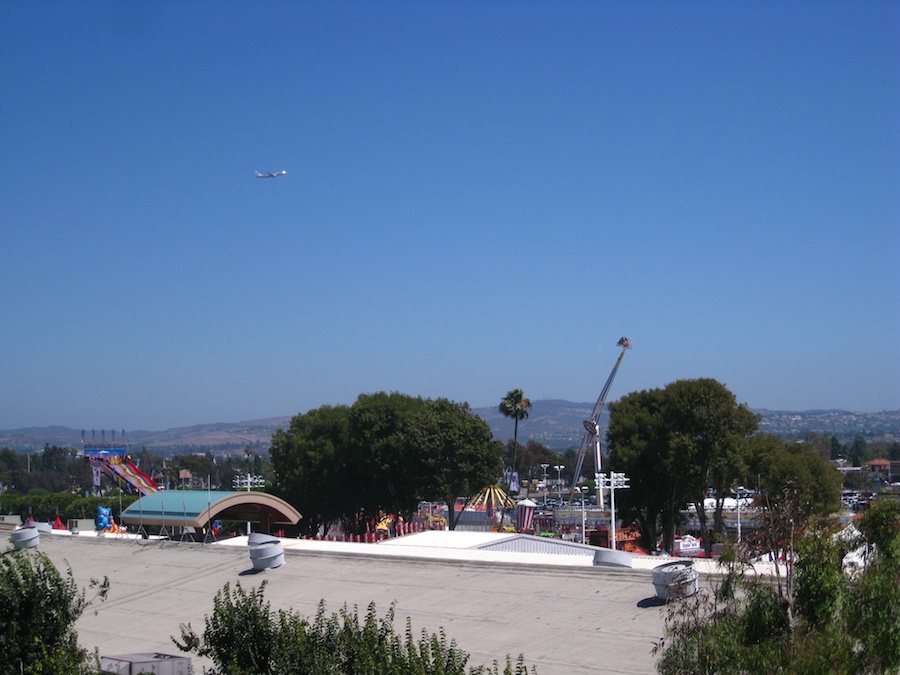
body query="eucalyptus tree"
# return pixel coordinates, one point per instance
(830, 620)
(795, 485)
(516, 406)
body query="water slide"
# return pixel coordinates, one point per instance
(128, 472)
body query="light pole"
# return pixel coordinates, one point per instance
(739, 490)
(544, 467)
(614, 481)
(559, 468)
(582, 492)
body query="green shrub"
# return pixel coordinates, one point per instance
(244, 636)
(834, 621)
(38, 610)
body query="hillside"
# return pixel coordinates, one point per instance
(555, 423)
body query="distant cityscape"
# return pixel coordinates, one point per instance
(880, 426)
(554, 423)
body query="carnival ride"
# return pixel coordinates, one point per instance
(491, 499)
(112, 459)
(495, 503)
(592, 431)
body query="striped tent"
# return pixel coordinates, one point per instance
(525, 515)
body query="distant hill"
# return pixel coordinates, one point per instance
(224, 438)
(553, 422)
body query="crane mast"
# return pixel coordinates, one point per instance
(591, 430)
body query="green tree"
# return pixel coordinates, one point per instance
(795, 484)
(873, 606)
(534, 454)
(10, 467)
(675, 444)
(638, 441)
(38, 611)
(383, 454)
(514, 405)
(383, 472)
(310, 461)
(55, 469)
(453, 450)
(820, 579)
(706, 433)
(200, 466)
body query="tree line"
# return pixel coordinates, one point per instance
(388, 451)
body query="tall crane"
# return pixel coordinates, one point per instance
(591, 428)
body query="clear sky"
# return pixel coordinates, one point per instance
(479, 196)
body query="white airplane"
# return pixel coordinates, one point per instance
(270, 175)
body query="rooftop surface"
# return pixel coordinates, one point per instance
(562, 613)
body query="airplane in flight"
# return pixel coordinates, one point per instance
(270, 175)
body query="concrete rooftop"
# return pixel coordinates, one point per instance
(567, 619)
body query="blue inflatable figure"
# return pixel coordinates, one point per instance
(104, 519)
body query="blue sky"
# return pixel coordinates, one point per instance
(480, 196)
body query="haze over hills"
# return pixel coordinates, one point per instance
(555, 423)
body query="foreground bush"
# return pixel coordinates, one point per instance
(38, 611)
(244, 636)
(832, 620)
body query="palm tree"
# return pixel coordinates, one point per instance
(515, 405)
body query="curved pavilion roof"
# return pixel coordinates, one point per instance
(196, 508)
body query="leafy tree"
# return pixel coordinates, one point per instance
(821, 445)
(453, 450)
(55, 469)
(706, 429)
(888, 450)
(515, 406)
(639, 447)
(10, 466)
(819, 573)
(795, 484)
(310, 465)
(200, 466)
(244, 636)
(837, 450)
(873, 606)
(382, 470)
(385, 453)
(857, 450)
(38, 611)
(533, 455)
(675, 444)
